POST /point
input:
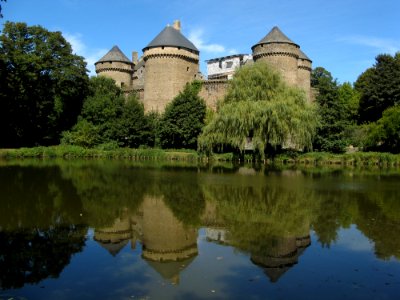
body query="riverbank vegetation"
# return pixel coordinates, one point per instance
(50, 108)
(357, 159)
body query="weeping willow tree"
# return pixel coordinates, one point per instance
(259, 105)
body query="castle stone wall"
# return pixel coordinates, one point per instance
(119, 71)
(304, 76)
(282, 57)
(212, 91)
(167, 70)
(165, 238)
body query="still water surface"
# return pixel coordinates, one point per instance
(125, 230)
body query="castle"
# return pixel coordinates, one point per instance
(170, 61)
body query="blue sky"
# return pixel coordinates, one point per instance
(343, 36)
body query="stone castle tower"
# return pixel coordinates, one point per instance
(116, 66)
(171, 61)
(282, 54)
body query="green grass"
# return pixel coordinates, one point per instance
(348, 159)
(312, 158)
(80, 152)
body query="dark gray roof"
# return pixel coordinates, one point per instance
(173, 38)
(113, 248)
(225, 57)
(275, 36)
(302, 55)
(139, 64)
(115, 54)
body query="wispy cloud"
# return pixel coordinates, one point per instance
(383, 45)
(80, 48)
(197, 38)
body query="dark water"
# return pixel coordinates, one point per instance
(123, 230)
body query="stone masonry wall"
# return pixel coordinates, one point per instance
(119, 71)
(281, 56)
(304, 76)
(212, 91)
(167, 71)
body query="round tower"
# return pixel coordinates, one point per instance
(304, 73)
(280, 52)
(116, 66)
(171, 61)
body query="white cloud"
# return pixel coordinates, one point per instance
(79, 47)
(383, 45)
(197, 38)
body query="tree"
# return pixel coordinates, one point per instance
(337, 107)
(183, 119)
(379, 87)
(42, 85)
(107, 117)
(384, 135)
(134, 129)
(261, 106)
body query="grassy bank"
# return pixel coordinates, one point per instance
(312, 158)
(80, 152)
(347, 159)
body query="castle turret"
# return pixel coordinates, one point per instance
(279, 52)
(304, 73)
(116, 66)
(171, 61)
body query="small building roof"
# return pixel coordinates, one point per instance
(275, 36)
(115, 54)
(173, 38)
(225, 57)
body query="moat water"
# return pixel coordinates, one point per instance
(142, 230)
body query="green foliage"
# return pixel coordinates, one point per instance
(183, 119)
(254, 83)
(42, 85)
(384, 135)
(359, 159)
(108, 117)
(134, 128)
(84, 134)
(337, 107)
(259, 105)
(379, 87)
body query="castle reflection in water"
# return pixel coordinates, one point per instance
(169, 246)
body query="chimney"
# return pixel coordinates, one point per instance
(177, 25)
(134, 57)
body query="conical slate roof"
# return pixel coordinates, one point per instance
(115, 54)
(113, 248)
(275, 36)
(302, 55)
(173, 38)
(170, 269)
